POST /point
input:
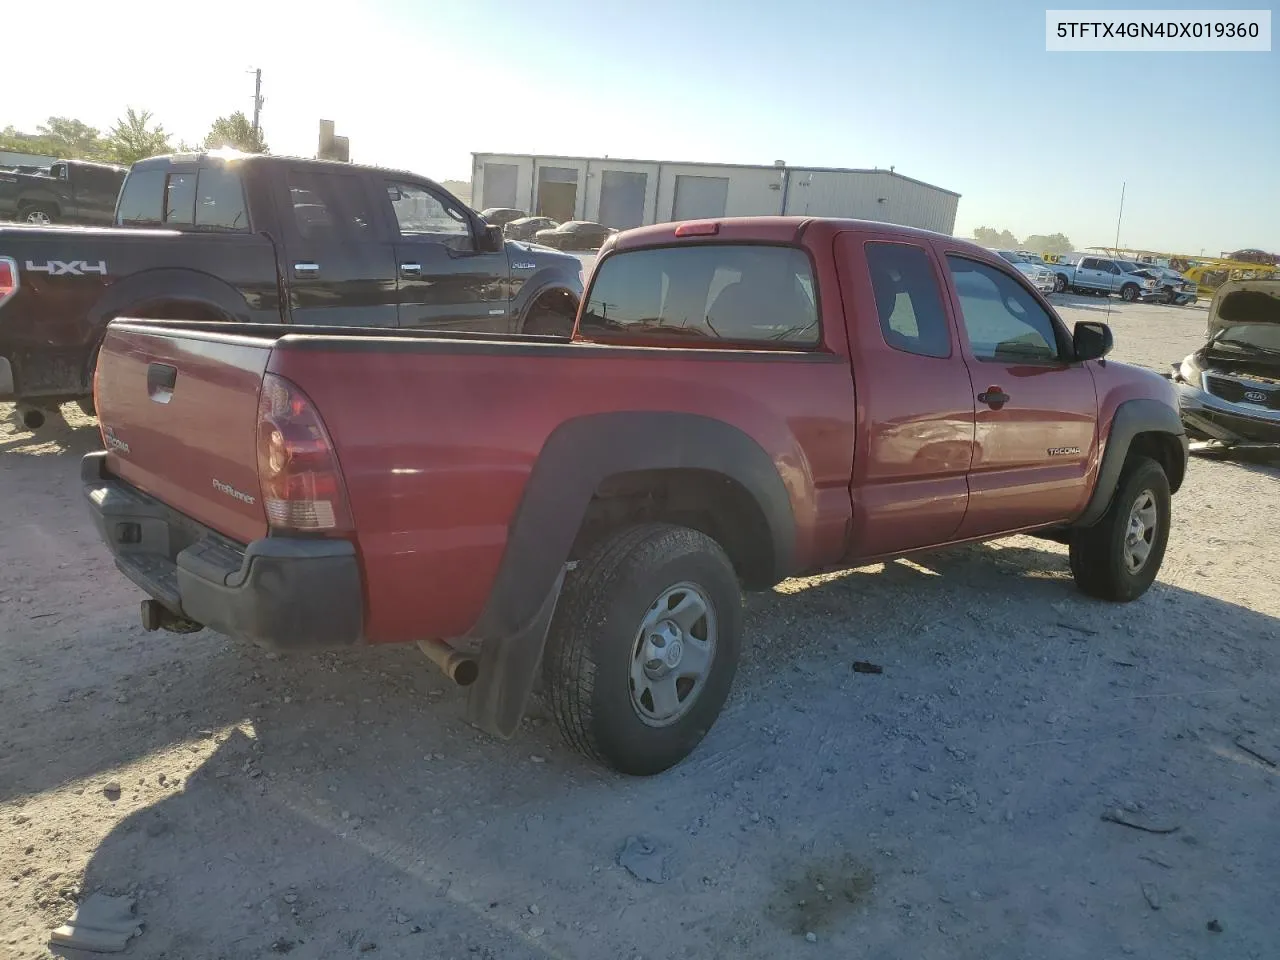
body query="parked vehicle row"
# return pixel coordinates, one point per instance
(591, 508)
(265, 240)
(1031, 266)
(526, 228)
(1105, 276)
(73, 191)
(570, 235)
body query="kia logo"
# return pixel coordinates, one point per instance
(1255, 396)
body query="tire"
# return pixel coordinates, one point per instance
(548, 322)
(1129, 293)
(1100, 563)
(1059, 284)
(38, 215)
(598, 635)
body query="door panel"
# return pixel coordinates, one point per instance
(915, 404)
(1036, 415)
(338, 267)
(443, 281)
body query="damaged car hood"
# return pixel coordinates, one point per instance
(1244, 301)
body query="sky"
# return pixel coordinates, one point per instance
(956, 94)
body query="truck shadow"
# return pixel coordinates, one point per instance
(327, 802)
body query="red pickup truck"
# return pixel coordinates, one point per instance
(741, 401)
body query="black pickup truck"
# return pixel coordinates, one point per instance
(237, 237)
(73, 191)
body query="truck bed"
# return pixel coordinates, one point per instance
(437, 435)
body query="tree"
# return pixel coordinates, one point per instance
(997, 239)
(73, 139)
(133, 138)
(236, 132)
(1053, 243)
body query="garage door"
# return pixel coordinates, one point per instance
(700, 198)
(622, 198)
(500, 185)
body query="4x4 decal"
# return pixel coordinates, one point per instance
(75, 268)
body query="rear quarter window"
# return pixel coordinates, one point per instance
(739, 293)
(142, 199)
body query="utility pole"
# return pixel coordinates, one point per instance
(257, 100)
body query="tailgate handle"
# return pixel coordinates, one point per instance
(161, 379)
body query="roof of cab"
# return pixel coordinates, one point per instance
(236, 156)
(778, 229)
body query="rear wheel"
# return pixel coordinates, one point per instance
(1119, 556)
(644, 646)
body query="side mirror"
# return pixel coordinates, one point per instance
(1091, 340)
(491, 240)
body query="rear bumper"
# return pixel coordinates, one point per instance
(282, 592)
(1208, 417)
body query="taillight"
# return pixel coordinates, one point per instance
(8, 278)
(302, 489)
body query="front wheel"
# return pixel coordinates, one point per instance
(644, 646)
(1059, 284)
(39, 216)
(1119, 556)
(1128, 293)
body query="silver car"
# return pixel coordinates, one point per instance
(1033, 268)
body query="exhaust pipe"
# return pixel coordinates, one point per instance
(461, 668)
(156, 616)
(32, 417)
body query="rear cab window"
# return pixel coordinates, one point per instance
(184, 197)
(732, 293)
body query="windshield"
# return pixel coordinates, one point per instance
(1242, 337)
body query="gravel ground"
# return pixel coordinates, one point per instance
(950, 807)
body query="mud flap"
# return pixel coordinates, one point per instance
(508, 669)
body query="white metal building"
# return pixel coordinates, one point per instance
(628, 193)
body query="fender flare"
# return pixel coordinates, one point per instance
(534, 288)
(577, 457)
(1132, 417)
(38, 197)
(175, 284)
(581, 454)
(170, 284)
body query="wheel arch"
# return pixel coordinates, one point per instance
(165, 294)
(595, 471)
(49, 201)
(1144, 427)
(554, 296)
(549, 290)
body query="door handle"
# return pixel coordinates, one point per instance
(410, 269)
(993, 397)
(306, 268)
(161, 379)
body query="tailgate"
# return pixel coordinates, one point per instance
(179, 413)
